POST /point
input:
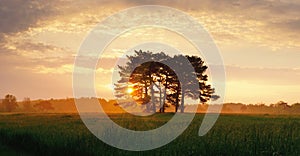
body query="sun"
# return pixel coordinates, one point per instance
(130, 90)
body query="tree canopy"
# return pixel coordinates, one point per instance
(142, 80)
(10, 103)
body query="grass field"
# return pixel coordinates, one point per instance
(65, 134)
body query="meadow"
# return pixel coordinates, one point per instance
(65, 134)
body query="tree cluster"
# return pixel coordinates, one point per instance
(167, 77)
(10, 104)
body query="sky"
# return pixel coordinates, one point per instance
(259, 41)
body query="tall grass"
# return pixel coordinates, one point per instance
(65, 134)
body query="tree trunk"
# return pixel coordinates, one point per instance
(145, 101)
(165, 95)
(164, 100)
(182, 101)
(160, 101)
(153, 99)
(177, 102)
(176, 107)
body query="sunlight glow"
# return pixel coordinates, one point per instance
(110, 86)
(130, 90)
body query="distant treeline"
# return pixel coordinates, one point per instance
(10, 104)
(277, 108)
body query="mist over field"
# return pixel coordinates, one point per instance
(114, 106)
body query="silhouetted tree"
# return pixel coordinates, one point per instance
(204, 92)
(282, 105)
(27, 104)
(189, 78)
(10, 102)
(2, 109)
(143, 76)
(243, 108)
(43, 106)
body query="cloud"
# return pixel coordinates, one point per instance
(19, 15)
(264, 76)
(289, 25)
(63, 69)
(36, 53)
(263, 22)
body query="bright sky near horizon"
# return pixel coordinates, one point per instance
(258, 40)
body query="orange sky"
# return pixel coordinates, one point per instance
(258, 40)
